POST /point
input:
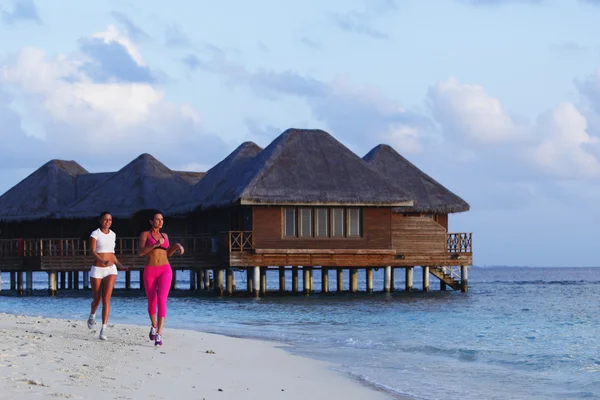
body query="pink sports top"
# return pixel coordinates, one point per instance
(153, 241)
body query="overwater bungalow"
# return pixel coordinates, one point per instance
(303, 203)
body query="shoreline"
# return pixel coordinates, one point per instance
(50, 358)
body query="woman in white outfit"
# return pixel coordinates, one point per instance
(103, 273)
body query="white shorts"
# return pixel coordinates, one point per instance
(103, 272)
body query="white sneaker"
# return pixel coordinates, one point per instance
(91, 321)
(102, 334)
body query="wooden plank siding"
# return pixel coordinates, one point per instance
(416, 234)
(268, 232)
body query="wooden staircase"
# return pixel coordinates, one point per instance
(445, 277)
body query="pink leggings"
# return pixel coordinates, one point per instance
(157, 281)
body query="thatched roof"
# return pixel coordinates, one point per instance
(86, 182)
(43, 193)
(299, 167)
(191, 177)
(220, 182)
(144, 183)
(429, 195)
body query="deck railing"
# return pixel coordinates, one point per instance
(241, 241)
(460, 242)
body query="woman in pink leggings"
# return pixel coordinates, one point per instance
(157, 273)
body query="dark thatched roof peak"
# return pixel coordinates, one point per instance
(43, 193)
(430, 196)
(220, 182)
(301, 166)
(144, 183)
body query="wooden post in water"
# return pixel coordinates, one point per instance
(20, 282)
(29, 282)
(142, 280)
(464, 279)
(282, 279)
(369, 273)
(250, 280)
(324, 280)
(0, 281)
(63, 280)
(340, 279)
(174, 280)
(13, 281)
(306, 279)
(76, 280)
(310, 280)
(387, 279)
(353, 280)
(52, 283)
(127, 279)
(409, 279)
(256, 281)
(219, 284)
(199, 279)
(295, 279)
(86, 279)
(192, 279)
(426, 279)
(229, 281)
(263, 281)
(206, 279)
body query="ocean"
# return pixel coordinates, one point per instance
(520, 333)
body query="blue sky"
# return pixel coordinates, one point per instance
(498, 100)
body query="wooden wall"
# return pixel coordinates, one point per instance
(268, 232)
(415, 234)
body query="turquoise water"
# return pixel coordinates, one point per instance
(520, 333)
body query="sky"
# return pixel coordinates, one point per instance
(498, 100)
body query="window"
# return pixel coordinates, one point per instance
(322, 222)
(306, 222)
(339, 222)
(290, 221)
(354, 222)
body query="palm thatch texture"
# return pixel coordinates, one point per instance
(220, 182)
(144, 183)
(429, 195)
(300, 166)
(43, 193)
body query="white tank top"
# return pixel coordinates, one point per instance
(105, 242)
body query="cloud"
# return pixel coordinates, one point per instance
(131, 29)
(175, 37)
(113, 58)
(310, 43)
(361, 22)
(499, 2)
(23, 10)
(82, 118)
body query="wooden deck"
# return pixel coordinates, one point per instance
(224, 250)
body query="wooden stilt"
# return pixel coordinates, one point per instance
(306, 279)
(233, 279)
(295, 279)
(63, 280)
(282, 279)
(369, 273)
(199, 279)
(0, 282)
(464, 279)
(206, 279)
(311, 280)
(20, 282)
(229, 281)
(409, 279)
(387, 279)
(393, 280)
(141, 278)
(192, 279)
(256, 281)
(250, 280)
(340, 279)
(86, 279)
(426, 279)
(128, 280)
(13, 281)
(76, 280)
(263, 281)
(52, 283)
(219, 284)
(174, 280)
(324, 280)
(353, 280)
(29, 282)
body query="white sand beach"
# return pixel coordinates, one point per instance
(56, 358)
